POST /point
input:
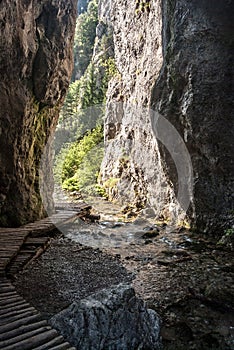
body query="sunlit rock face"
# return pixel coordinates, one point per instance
(35, 66)
(175, 57)
(132, 160)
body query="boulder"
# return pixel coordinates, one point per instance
(113, 319)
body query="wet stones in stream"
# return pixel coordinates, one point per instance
(112, 234)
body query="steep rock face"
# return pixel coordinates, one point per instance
(176, 58)
(195, 93)
(132, 159)
(35, 65)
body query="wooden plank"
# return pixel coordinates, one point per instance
(21, 322)
(6, 255)
(3, 262)
(13, 239)
(17, 317)
(64, 346)
(7, 295)
(5, 242)
(8, 288)
(22, 329)
(35, 256)
(12, 235)
(23, 336)
(12, 244)
(4, 283)
(56, 341)
(15, 306)
(36, 240)
(10, 300)
(16, 238)
(30, 343)
(7, 248)
(12, 313)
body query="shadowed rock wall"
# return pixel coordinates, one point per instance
(35, 67)
(195, 93)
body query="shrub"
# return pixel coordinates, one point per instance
(77, 166)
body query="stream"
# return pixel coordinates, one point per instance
(116, 234)
(187, 278)
(112, 231)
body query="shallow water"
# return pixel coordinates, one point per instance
(112, 231)
(106, 234)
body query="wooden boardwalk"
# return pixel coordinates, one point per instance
(21, 325)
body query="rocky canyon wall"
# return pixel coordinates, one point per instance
(35, 65)
(195, 93)
(132, 161)
(175, 58)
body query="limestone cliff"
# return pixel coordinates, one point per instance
(132, 159)
(35, 66)
(176, 58)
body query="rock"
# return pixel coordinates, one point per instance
(195, 95)
(148, 241)
(220, 293)
(227, 240)
(131, 152)
(148, 213)
(36, 50)
(114, 319)
(178, 60)
(93, 217)
(151, 233)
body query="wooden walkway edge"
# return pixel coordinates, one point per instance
(21, 325)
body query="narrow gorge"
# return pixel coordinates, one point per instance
(117, 174)
(173, 59)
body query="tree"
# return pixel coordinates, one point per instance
(84, 39)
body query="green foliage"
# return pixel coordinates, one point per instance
(85, 38)
(229, 232)
(91, 90)
(78, 150)
(71, 104)
(71, 184)
(77, 115)
(99, 190)
(142, 6)
(88, 172)
(110, 71)
(77, 166)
